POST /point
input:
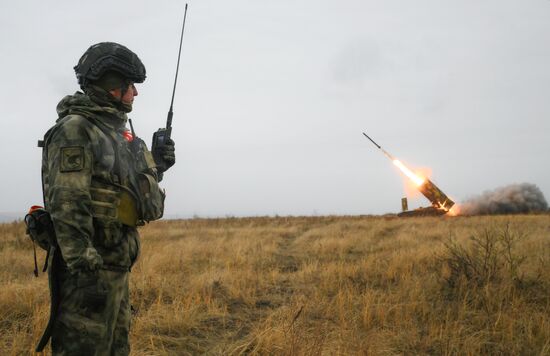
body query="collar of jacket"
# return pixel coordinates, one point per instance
(93, 107)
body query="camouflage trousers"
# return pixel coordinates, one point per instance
(94, 314)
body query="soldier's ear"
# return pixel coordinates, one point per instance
(116, 93)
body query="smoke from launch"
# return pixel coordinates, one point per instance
(512, 199)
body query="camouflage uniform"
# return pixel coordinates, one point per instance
(98, 184)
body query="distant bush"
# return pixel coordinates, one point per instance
(487, 271)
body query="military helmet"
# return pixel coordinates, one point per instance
(109, 56)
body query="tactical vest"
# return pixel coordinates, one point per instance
(127, 192)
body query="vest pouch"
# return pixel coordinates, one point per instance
(104, 203)
(127, 211)
(151, 197)
(110, 203)
(144, 157)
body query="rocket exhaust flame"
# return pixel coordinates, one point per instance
(440, 201)
(406, 171)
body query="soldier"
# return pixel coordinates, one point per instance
(100, 182)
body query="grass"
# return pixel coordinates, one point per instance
(317, 286)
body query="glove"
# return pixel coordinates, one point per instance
(89, 260)
(165, 155)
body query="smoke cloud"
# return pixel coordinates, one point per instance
(512, 199)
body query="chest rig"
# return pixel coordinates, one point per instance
(131, 195)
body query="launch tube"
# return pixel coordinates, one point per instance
(438, 199)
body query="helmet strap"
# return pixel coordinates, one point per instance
(123, 89)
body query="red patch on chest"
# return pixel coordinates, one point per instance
(128, 136)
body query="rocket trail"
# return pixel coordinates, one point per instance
(380, 148)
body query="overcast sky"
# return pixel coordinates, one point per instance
(273, 97)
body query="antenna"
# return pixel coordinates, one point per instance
(171, 112)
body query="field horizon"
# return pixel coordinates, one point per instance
(317, 285)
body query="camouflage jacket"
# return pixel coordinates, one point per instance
(98, 185)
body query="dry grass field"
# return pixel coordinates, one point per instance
(317, 286)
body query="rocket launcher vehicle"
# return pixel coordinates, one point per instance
(438, 199)
(441, 203)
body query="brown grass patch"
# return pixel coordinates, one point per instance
(317, 285)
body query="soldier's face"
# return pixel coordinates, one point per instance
(128, 96)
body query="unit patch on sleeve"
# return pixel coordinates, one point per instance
(72, 159)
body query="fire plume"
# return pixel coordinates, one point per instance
(406, 171)
(439, 200)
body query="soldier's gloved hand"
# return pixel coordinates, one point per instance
(165, 155)
(89, 260)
